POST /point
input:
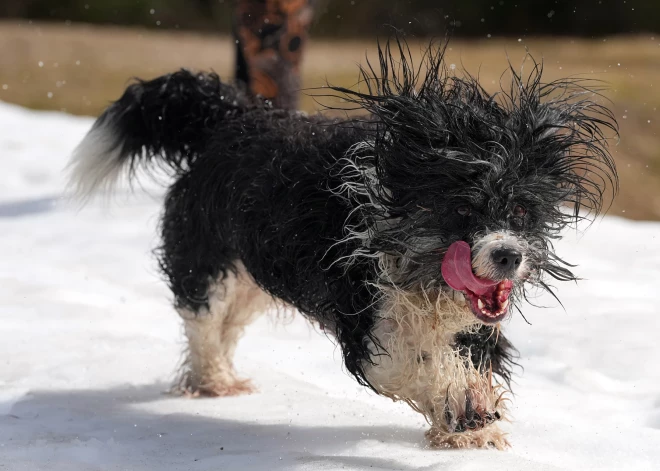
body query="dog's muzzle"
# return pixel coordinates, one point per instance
(487, 296)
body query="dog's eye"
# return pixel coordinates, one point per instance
(519, 211)
(464, 210)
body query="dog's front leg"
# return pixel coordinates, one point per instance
(417, 361)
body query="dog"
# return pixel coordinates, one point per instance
(408, 232)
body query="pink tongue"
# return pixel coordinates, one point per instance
(457, 270)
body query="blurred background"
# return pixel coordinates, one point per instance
(78, 55)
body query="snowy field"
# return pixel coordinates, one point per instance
(88, 344)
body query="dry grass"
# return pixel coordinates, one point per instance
(80, 69)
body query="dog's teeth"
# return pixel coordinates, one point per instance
(480, 304)
(505, 304)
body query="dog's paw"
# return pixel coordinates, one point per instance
(470, 417)
(470, 424)
(187, 387)
(488, 437)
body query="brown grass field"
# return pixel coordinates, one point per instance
(79, 69)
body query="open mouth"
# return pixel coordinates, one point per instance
(488, 299)
(492, 306)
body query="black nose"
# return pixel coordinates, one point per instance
(507, 259)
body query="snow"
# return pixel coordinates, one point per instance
(89, 343)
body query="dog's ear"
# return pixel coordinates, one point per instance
(592, 127)
(565, 133)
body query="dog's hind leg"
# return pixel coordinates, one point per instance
(234, 301)
(213, 293)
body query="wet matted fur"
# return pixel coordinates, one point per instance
(348, 220)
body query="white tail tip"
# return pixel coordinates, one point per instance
(96, 164)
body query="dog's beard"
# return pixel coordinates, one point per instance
(419, 271)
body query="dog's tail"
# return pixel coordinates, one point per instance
(167, 120)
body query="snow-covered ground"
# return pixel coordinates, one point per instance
(88, 344)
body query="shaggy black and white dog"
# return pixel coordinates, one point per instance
(407, 233)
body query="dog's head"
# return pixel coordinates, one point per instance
(463, 190)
